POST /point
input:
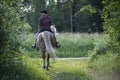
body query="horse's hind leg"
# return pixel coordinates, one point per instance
(44, 57)
(48, 62)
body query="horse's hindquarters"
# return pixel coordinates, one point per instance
(40, 42)
(46, 39)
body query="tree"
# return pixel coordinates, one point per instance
(61, 16)
(111, 16)
(89, 15)
(39, 5)
(63, 13)
(33, 13)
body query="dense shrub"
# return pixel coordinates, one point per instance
(109, 61)
(111, 15)
(12, 30)
(20, 68)
(10, 26)
(99, 49)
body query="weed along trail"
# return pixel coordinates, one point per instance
(69, 69)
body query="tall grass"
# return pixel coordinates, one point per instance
(104, 62)
(106, 67)
(76, 44)
(27, 43)
(72, 44)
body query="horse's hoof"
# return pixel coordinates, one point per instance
(43, 66)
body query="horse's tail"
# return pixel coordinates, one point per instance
(48, 45)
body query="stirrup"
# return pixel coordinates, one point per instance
(58, 45)
(34, 46)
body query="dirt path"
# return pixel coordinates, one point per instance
(70, 58)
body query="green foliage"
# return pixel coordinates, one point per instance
(74, 45)
(111, 15)
(99, 48)
(26, 42)
(39, 5)
(20, 68)
(108, 62)
(62, 11)
(57, 13)
(12, 30)
(33, 13)
(88, 9)
(10, 26)
(88, 16)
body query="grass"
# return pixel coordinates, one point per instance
(20, 68)
(106, 67)
(76, 44)
(72, 45)
(68, 70)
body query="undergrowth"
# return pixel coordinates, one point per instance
(20, 68)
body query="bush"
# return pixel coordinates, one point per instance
(27, 42)
(109, 61)
(99, 49)
(106, 64)
(14, 65)
(20, 68)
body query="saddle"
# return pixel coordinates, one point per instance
(52, 39)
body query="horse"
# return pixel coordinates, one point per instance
(46, 43)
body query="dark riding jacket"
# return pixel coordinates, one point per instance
(45, 23)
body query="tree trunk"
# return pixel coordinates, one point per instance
(71, 18)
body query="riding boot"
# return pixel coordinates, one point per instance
(34, 45)
(57, 44)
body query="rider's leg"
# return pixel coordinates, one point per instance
(34, 45)
(57, 43)
(39, 30)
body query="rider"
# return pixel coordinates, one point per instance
(44, 25)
